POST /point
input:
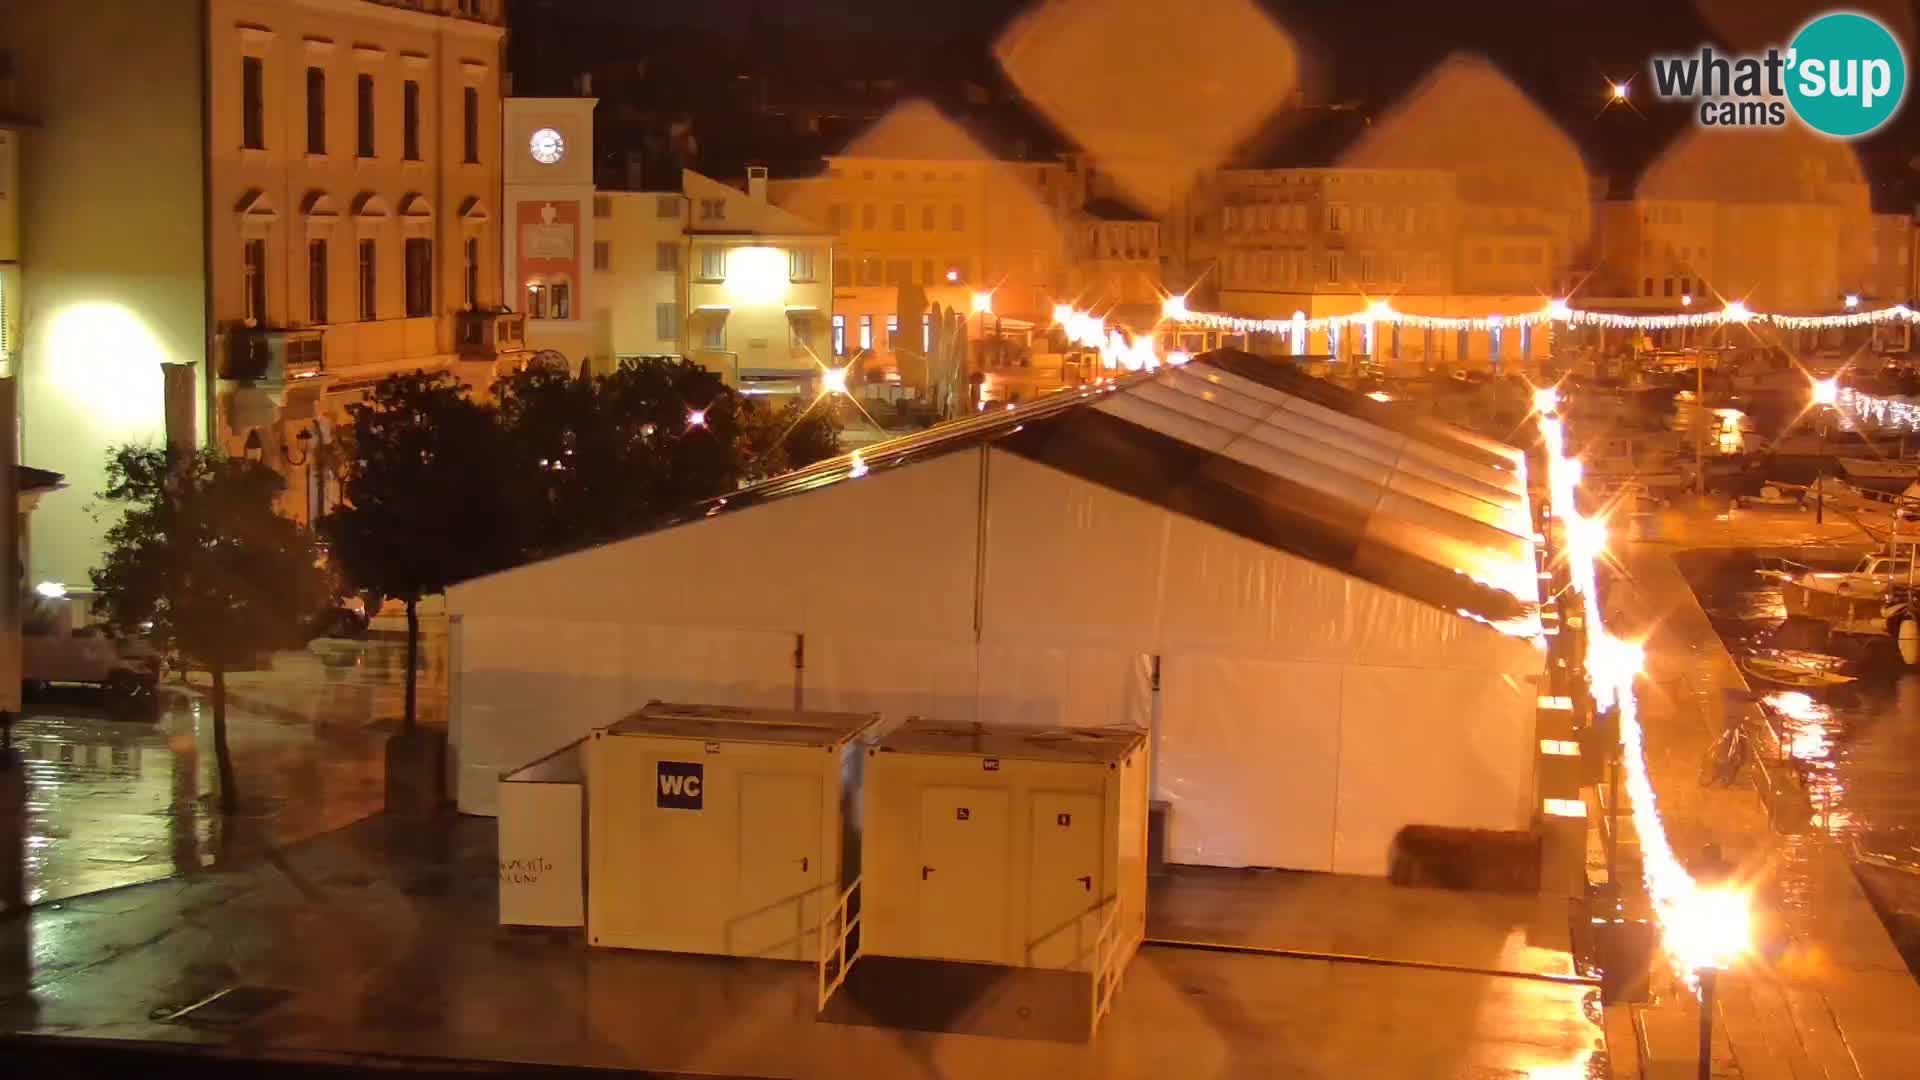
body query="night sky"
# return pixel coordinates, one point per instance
(1560, 52)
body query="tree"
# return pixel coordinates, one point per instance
(424, 501)
(203, 562)
(601, 457)
(777, 441)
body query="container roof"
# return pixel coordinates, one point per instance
(728, 723)
(1018, 744)
(1261, 449)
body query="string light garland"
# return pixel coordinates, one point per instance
(1558, 311)
(1702, 928)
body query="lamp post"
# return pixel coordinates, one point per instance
(315, 506)
(1708, 976)
(1825, 393)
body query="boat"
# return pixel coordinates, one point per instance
(1797, 673)
(1772, 497)
(1852, 601)
(1880, 469)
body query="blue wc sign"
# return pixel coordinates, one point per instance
(679, 785)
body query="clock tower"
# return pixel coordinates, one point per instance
(547, 172)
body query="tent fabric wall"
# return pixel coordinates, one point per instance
(523, 687)
(1471, 737)
(1249, 754)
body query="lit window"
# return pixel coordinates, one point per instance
(839, 335)
(866, 332)
(893, 332)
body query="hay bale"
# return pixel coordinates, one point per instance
(1476, 860)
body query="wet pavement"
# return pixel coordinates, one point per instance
(381, 938)
(114, 802)
(1824, 992)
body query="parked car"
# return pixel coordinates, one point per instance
(127, 670)
(343, 617)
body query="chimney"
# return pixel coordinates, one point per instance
(583, 85)
(757, 183)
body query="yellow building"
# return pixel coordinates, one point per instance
(638, 262)
(235, 215)
(758, 287)
(1114, 265)
(990, 225)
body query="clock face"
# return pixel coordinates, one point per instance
(546, 146)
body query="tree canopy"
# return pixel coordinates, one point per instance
(202, 554)
(603, 456)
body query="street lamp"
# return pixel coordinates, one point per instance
(1852, 301)
(1825, 393)
(305, 439)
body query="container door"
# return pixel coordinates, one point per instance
(963, 876)
(777, 910)
(1064, 886)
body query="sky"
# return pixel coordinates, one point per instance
(1562, 53)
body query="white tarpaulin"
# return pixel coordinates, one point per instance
(1332, 600)
(542, 872)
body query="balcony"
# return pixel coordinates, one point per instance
(486, 335)
(483, 11)
(274, 356)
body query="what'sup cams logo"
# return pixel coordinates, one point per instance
(1844, 75)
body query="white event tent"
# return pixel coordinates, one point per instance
(1322, 610)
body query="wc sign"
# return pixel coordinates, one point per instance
(679, 785)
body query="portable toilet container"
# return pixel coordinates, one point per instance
(1018, 847)
(714, 829)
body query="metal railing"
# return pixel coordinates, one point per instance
(1109, 960)
(839, 925)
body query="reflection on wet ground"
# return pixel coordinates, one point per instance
(1856, 747)
(1859, 744)
(113, 802)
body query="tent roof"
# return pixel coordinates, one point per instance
(1262, 450)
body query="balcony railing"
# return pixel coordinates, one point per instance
(472, 10)
(484, 335)
(274, 355)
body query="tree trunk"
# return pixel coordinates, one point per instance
(413, 659)
(229, 796)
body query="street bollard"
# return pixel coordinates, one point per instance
(1708, 977)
